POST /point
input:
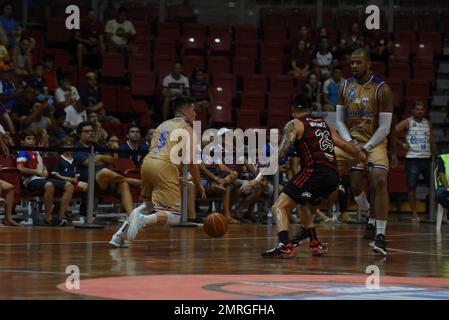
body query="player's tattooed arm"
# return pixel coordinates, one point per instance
(288, 138)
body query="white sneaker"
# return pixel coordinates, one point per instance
(136, 222)
(118, 241)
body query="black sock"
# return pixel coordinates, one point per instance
(283, 236)
(312, 234)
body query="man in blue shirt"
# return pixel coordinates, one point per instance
(134, 150)
(8, 91)
(330, 89)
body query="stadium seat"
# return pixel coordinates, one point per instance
(224, 87)
(194, 45)
(424, 53)
(163, 65)
(255, 83)
(282, 84)
(243, 66)
(57, 31)
(218, 65)
(109, 97)
(139, 106)
(397, 87)
(433, 39)
(219, 40)
(295, 18)
(189, 63)
(417, 88)
(246, 50)
(279, 102)
(123, 99)
(113, 65)
(272, 67)
(379, 69)
(253, 101)
(168, 30)
(164, 47)
(401, 51)
(195, 30)
(277, 119)
(405, 36)
(399, 71)
(143, 83)
(271, 51)
(275, 35)
(397, 180)
(248, 118)
(244, 34)
(275, 19)
(423, 71)
(220, 112)
(139, 62)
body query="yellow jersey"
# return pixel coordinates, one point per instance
(161, 145)
(361, 107)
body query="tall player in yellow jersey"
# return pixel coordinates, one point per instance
(364, 113)
(161, 183)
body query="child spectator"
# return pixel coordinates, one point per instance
(37, 82)
(35, 178)
(21, 57)
(199, 89)
(49, 75)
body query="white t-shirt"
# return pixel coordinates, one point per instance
(60, 94)
(73, 117)
(418, 138)
(323, 60)
(176, 86)
(116, 29)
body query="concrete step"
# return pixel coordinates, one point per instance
(443, 68)
(438, 117)
(440, 100)
(443, 84)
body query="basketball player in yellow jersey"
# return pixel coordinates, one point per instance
(161, 183)
(364, 113)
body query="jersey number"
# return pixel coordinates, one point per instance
(161, 142)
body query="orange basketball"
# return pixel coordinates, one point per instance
(215, 225)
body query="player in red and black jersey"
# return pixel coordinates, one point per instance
(314, 141)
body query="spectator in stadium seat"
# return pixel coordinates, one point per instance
(119, 32)
(35, 177)
(173, 85)
(57, 131)
(7, 119)
(101, 134)
(442, 178)
(10, 25)
(304, 35)
(200, 89)
(29, 113)
(341, 52)
(106, 180)
(89, 39)
(21, 57)
(8, 90)
(4, 54)
(330, 89)
(148, 136)
(132, 145)
(36, 80)
(420, 147)
(301, 60)
(7, 199)
(68, 96)
(91, 98)
(312, 89)
(354, 38)
(113, 142)
(49, 75)
(323, 60)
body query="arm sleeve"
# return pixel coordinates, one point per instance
(340, 123)
(382, 130)
(440, 164)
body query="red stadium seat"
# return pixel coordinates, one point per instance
(248, 118)
(397, 87)
(424, 53)
(163, 65)
(279, 102)
(277, 119)
(423, 71)
(243, 66)
(190, 63)
(168, 30)
(272, 67)
(433, 39)
(397, 180)
(194, 30)
(401, 51)
(218, 65)
(109, 97)
(406, 36)
(418, 88)
(244, 34)
(255, 83)
(220, 112)
(194, 45)
(273, 20)
(253, 101)
(113, 65)
(123, 99)
(271, 51)
(275, 35)
(139, 106)
(219, 40)
(57, 31)
(295, 18)
(246, 50)
(138, 62)
(379, 69)
(224, 87)
(143, 83)
(282, 84)
(164, 47)
(399, 71)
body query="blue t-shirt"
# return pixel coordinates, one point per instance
(79, 157)
(9, 24)
(136, 155)
(332, 89)
(65, 167)
(36, 84)
(7, 88)
(199, 90)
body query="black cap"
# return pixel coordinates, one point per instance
(301, 101)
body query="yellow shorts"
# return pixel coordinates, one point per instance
(376, 158)
(160, 184)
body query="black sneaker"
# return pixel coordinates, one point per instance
(280, 251)
(380, 245)
(299, 237)
(370, 232)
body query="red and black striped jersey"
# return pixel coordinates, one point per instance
(315, 146)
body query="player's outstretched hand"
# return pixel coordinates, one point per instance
(248, 186)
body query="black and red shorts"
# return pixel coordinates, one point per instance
(312, 185)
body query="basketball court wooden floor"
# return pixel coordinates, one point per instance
(184, 263)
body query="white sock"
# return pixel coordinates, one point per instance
(150, 219)
(372, 221)
(381, 225)
(122, 228)
(362, 201)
